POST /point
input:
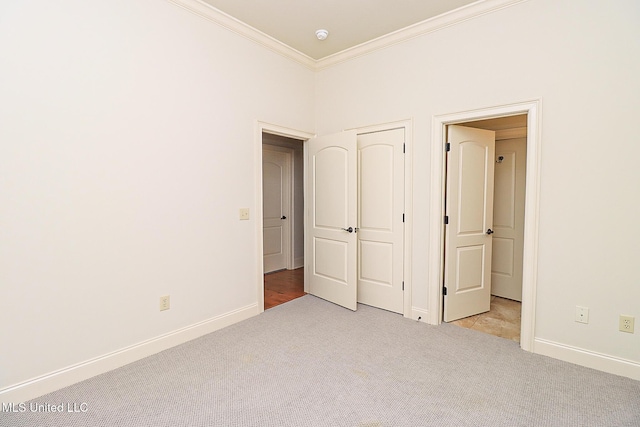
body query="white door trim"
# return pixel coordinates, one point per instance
(436, 209)
(408, 203)
(273, 129)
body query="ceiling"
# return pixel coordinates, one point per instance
(349, 22)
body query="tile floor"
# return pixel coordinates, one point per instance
(503, 319)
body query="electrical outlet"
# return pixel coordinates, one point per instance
(626, 323)
(582, 314)
(164, 303)
(244, 213)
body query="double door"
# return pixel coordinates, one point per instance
(355, 227)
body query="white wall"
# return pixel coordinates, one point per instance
(127, 135)
(582, 59)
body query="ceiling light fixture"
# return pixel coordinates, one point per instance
(322, 34)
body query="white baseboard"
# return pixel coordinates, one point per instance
(590, 359)
(56, 380)
(420, 314)
(298, 262)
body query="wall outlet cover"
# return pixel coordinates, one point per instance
(627, 323)
(165, 303)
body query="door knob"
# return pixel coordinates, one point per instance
(283, 217)
(489, 231)
(348, 230)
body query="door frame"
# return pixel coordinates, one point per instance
(273, 129)
(531, 215)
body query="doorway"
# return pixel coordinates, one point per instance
(282, 209)
(484, 212)
(281, 223)
(504, 314)
(438, 211)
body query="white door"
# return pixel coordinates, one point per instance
(468, 234)
(276, 185)
(508, 218)
(332, 190)
(380, 219)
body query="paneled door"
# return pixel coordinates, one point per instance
(380, 219)
(508, 218)
(469, 217)
(332, 214)
(276, 201)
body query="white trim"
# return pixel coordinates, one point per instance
(289, 133)
(56, 380)
(407, 125)
(224, 20)
(456, 16)
(298, 263)
(588, 358)
(436, 209)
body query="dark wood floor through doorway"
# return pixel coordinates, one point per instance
(283, 286)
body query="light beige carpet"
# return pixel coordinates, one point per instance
(311, 363)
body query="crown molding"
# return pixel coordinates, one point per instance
(456, 16)
(216, 16)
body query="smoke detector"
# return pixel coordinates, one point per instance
(322, 34)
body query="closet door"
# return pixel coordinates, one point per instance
(380, 219)
(331, 226)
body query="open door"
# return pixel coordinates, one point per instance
(331, 227)
(469, 212)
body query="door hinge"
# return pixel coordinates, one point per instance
(446, 219)
(403, 285)
(402, 217)
(444, 290)
(404, 148)
(447, 147)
